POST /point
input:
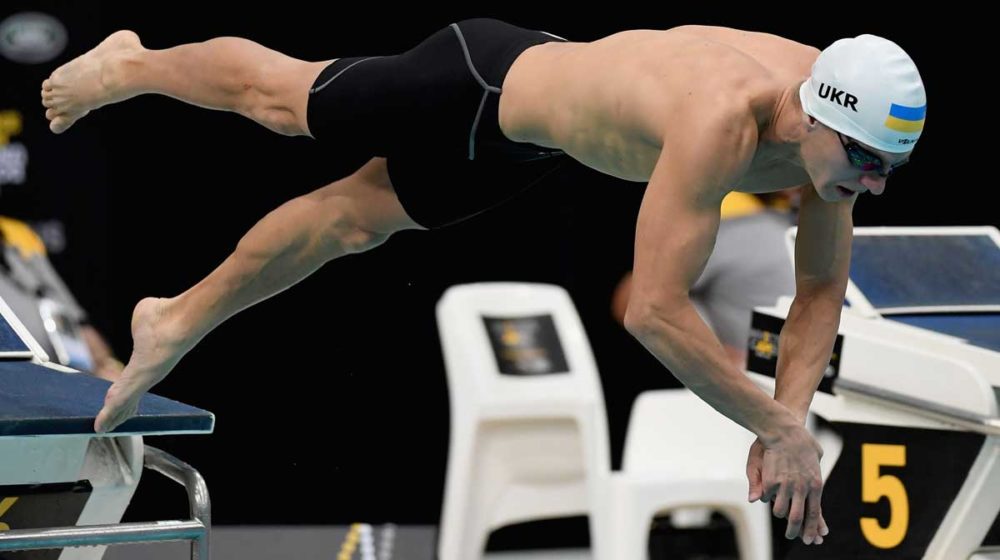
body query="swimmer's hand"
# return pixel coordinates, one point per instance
(787, 474)
(156, 349)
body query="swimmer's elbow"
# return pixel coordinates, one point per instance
(631, 320)
(645, 318)
(638, 328)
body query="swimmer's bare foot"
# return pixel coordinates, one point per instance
(155, 351)
(88, 81)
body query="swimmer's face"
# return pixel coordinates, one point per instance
(841, 167)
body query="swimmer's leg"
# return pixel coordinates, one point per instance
(348, 216)
(225, 73)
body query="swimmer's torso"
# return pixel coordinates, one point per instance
(609, 102)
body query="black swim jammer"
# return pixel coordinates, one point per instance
(433, 113)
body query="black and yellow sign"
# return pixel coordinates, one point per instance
(526, 345)
(888, 493)
(762, 350)
(39, 506)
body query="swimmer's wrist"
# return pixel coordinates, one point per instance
(798, 409)
(797, 399)
(782, 423)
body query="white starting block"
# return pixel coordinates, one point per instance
(910, 397)
(63, 488)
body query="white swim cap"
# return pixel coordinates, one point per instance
(869, 89)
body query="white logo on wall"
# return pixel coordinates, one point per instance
(53, 234)
(13, 155)
(32, 37)
(13, 164)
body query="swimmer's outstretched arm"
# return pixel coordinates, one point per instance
(676, 229)
(284, 247)
(822, 261)
(822, 267)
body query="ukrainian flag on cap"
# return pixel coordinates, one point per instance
(906, 119)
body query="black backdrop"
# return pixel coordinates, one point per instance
(331, 398)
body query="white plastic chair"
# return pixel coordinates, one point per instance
(525, 446)
(682, 456)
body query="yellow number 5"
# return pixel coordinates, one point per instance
(875, 485)
(6, 504)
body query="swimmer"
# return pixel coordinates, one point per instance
(482, 109)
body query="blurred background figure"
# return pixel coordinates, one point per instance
(38, 296)
(40, 192)
(750, 267)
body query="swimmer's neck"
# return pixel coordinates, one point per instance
(783, 130)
